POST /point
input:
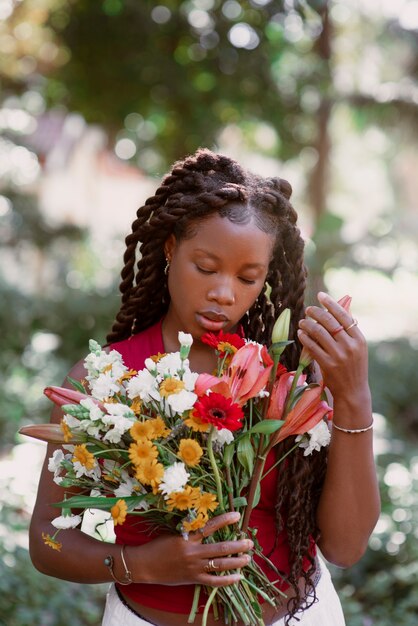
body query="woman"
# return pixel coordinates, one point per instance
(214, 241)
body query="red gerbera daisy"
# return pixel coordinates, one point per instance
(220, 411)
(223, 342)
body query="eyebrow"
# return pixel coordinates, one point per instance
(245, 266)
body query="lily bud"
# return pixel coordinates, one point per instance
(185, 340)
(281, 327)
(280, 334)
(52, 433)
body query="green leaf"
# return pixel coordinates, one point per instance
(76, 384)
(245, 453)
(266, 427)
(90, 502)
(229, 454)
(239, 501)
(257, 495)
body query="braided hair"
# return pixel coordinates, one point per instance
(197, 187)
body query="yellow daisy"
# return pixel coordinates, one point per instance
(157, 357)
(207, 502)
(51, 542)
(196, 523)
(142, 430)
(66, 430)
(183, 500)
(142, 451)
(136, 405)
(196, 424)
(171, 385)
(225, 346)
(150, 473)
(127, 376)
(84, 457)
(118, 512)
(159, 427)
(190, 452)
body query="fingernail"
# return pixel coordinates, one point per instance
(300, 332)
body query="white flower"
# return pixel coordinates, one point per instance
(104, 386)
(189, 378)
(98, 360)
(319, 436)
(54, 462)
(94, 411)
(174, 479)
(181, 402)
(151, 366)
(171, 363)
(222, 436)
(66, 521)
(71, 421)
(185, 339)
(81, 470)
(143, 385)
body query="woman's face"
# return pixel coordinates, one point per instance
(215, 275)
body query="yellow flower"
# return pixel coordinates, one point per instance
(84, 457)
(126, 376)
(142, 451)
(183, 500)
(66, 430)
(51, 542)
(225, 346)
(171, 385)
(157, 357)
(136, 405)
(150, 473)
(159, 427)
(207, 502)
(118, 512)
(190, 452)
(196, 523)
(142, 430)
(196, 424)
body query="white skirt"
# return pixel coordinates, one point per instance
(326, 611)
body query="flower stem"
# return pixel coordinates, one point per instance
(292, 389)
(215, 468)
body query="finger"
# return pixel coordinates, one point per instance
(316, 351)
(336, 310)
(321, 334)
(225, 564)
(225, 548)
(219, 581)
(323, 319)
(215, 523)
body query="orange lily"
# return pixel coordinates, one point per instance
(246, 376)
(306, 414)
(279, 394)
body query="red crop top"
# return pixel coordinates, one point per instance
(135, 530)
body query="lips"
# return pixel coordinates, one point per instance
(212, 321)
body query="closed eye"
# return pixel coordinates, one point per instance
(247, 281)
(203, 271)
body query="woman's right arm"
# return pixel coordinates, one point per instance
(168, 559)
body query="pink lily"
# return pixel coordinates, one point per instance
(62, 395)
(279, 394)
(306, 414)
(52, 433)
(245, 378)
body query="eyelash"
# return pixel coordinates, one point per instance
(246, 281)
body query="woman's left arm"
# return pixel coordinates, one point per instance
(350, 504)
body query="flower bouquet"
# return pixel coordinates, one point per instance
(176, 447)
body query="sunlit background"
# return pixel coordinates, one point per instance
(97, 100)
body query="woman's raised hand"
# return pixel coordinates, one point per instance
(335, 342)
(173, 560)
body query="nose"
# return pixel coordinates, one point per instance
(222, 292)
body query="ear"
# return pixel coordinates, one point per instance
(169, 247)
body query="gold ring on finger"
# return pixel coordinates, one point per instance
(353, 323)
